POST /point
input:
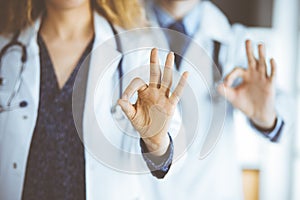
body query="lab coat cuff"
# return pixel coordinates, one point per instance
(158, 165)
(274, 134)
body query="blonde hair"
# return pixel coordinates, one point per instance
(18, 14)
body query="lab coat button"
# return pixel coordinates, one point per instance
(25, 117)
(2, 81)
(15, 165)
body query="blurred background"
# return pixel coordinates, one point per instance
(271, 171)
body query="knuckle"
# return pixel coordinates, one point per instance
(252, 63)
(136, 79)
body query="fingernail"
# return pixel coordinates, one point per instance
(186, 74)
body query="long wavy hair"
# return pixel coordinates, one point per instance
(18, 14)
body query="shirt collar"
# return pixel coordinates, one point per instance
(190, 21)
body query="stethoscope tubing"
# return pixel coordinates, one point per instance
(13, 43)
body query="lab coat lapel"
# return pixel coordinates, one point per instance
(99, 59)
(213, 27)
(99, 128)
(213, 24)
(31, 75)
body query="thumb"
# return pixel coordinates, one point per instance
(127, 108)
(227, 92)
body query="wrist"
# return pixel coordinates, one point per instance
(265, 125)
(158, 144)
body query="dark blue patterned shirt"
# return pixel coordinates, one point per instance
(55, 166)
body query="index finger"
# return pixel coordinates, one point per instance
(135, 85)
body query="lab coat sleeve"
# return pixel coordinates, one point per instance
(158, 165)
(274, 134)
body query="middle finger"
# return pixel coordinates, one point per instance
(168, 73)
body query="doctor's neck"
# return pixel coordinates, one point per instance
(178, 8)
(68, 23)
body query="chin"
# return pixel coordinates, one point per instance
(67, 4)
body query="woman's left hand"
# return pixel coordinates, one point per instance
(152, 113)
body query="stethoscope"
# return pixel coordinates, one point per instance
(17, 85)
(13, 44)
(115, 109)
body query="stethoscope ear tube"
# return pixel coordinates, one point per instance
(14, 42)
(120, 65)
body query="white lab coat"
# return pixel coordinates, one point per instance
(104, 180)
(218, 176)
(188, 177)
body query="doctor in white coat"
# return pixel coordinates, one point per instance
(34, 163)
(218, 176)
